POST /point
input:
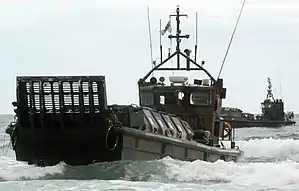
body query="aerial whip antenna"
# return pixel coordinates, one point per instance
(231, 39)
(280, 88)
(196, 36)
(160, 38)
(150, 37)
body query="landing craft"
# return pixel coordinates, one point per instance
(66, 118)
(273, 114)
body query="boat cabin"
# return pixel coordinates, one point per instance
(195, 103)
(230, 113)
(273, 109)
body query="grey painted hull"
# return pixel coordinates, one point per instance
(142, 146)
(259, 123)
(81, 147)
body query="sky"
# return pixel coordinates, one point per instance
(78, 37)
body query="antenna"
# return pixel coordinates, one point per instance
(231, 39)
(178, 52)
(178, 32)
(150, 37)
(195, 36)
(161, 58)
(280, 88)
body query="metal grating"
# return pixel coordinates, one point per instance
(62, 98)
(46, 95)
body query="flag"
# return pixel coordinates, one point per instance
(167, 28)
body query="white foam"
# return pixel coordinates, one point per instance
(270, 148)
(10, 169)
(266, 175)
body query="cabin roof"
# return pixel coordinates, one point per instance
(177, 87)
(231, 109)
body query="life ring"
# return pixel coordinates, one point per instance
(227, 130)
(110, 130)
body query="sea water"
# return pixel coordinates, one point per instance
(271, 162)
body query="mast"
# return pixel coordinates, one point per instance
(178, 32)
(178, 53)
(269, 90)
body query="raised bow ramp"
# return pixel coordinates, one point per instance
(60, 118)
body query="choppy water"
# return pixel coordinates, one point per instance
(271, 162)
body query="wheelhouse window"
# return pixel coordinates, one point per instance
(266, 105)
(167, 97)
(201, 98)
(147, 98)
(162, 99)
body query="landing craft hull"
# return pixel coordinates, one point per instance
(67, 119)
(45, 148)
(142, 146)
(259, 123)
